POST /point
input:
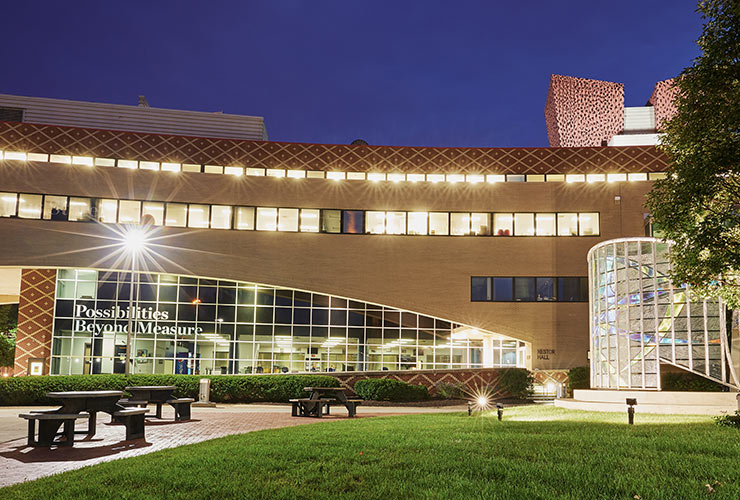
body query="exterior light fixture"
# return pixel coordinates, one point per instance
(631, 402)
(134, 242)
(196, 301)
(470, 408)
(500, 411)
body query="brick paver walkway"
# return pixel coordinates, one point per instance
(19, 462)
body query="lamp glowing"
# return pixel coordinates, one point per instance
(134, 240)
(482, 401)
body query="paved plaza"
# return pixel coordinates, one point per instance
(19, 462)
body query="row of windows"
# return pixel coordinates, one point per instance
(528, 289)
(331, 175)
(310, 220)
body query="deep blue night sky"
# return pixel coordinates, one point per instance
(396, 72)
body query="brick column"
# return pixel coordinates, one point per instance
(35, 318)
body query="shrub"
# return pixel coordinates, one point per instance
(579, 378)
(516, 381)
(684, 381)
(224, 388)
(728, 420)
(445, 390)
(386, 389)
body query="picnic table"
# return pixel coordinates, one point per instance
(77, 405)
(321, 399)
(142, 395)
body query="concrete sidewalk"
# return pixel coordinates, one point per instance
(19, 462)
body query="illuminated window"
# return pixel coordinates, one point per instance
(475, 178)
(492, 178)
(524, 289)
(395, 223)
(255, 171)
(237, 171)
(575, 178)
(55, 207)
(396, 177)
(149, 165)
(654, 176)
(198, 215)
(245, 218)
(288, 219)
(524, 224)
(12, 155)
(356, 176)
(190, 167)
(128, 164)
(213, 169)
(435, 178)
(79, 209)
(567, 224)
(59, 159)
(275, 172)
(545, 289)
(152, 212)
(107, 211)
(616, 177)
(375, 176)
(8, 203)
(331, 221)
(535, 178)
(309, 220)
(589, 224)
(514, 178)
(315, 174)
(439, 223)
(297, 174)
(455, 178)
(220, 217)
(36, 157)
(129, 212)
(503, 224)
(267, 219)
(545, 224)
(418, 222)
(480, 224)
(555, 178)
(637, 177)
(415, 177)
(335, 176)
(459, 224)
(176, 215)
(375, 222)
(82, 160)
(595, 178)
(105, 162)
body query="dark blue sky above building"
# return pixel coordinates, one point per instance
(427, 73)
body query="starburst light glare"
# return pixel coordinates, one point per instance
(134, 240)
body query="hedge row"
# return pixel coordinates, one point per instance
(688, 382)
(224, 389)
(386, 389)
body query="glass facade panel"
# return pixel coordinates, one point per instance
(310, 220)
(418, 222)
(239, 328)
(352, 221)
(152, 212)
(480, 289)
(29, 206)
(267, 219)
(244, 218)
(331, 221)
(55, 207)
(503, 224)
(524, 289)
(396, 222)
(480, 224)
(8, 204)
(459, 224)
(107, 211)
(545, 224)
(220, 217)
(567, 224)
(198, 215)
(129, 212)
(80, 209)
(288, 219)
(588, 224)
(375, 222)
(176, 215)
(503, 289)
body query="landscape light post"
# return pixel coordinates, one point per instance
(134, 242)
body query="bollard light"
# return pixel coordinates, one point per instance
(631, 402)
(470, 408)
(500, 411)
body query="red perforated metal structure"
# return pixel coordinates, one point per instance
(663, 100)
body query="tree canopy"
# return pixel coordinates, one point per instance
(698, 205)
(8, 325)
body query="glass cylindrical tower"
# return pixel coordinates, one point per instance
(640, 320)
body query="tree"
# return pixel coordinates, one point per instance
(697, 206)
(8, 325)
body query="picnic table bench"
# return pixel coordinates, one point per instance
(142, 395)
(321, 400)
(49, 424)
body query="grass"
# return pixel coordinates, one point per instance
(535, 453)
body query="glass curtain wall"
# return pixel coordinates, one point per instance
(187, 325)
(640, 320)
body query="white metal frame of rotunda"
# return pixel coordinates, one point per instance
(639, 320)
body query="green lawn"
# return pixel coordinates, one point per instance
(536, 452)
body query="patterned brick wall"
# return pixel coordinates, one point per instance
(35, 315)
(28, 137)
(663, 100)
(580, 112)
